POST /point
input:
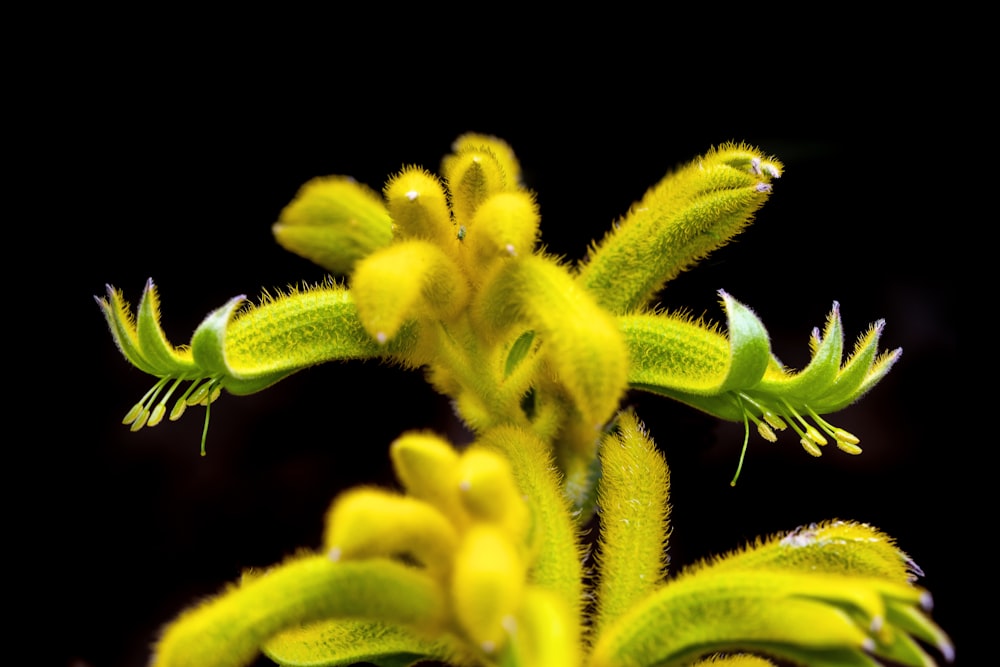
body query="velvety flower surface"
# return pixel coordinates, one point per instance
(478, 558)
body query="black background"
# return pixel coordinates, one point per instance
(178, 173)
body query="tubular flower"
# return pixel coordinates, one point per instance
(736, 377)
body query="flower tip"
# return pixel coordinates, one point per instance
(868, 645)
(764, 187)
(335, 554)
(876, 624)
(947, 650)
(926, 601)
(381, 337)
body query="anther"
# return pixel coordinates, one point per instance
(845, 436)
(810, 447)
(848, 447)
(133, 414)
(765, 432)
(156, 416)
(774, 420)
(815, 435)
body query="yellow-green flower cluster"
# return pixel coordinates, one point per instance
(479, 559)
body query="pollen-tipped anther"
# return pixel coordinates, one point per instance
(845, 436)
(774, 420)
(811, 447)
(815, 435)
(766, 432)
(848, 448)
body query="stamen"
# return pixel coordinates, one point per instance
(156, 416)
(765, 432)
(198, 395)
(848, 448)
(161, 407)
(845, 436)
(133, 414)
(138, 416)
(815, 435)
(810, 447)
(774, 420)
(799, 427)
(140, 420)
(846, 440)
